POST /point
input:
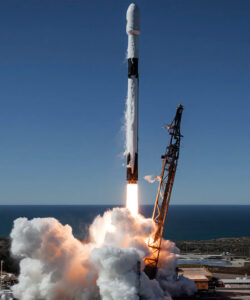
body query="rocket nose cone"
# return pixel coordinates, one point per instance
(133, 19)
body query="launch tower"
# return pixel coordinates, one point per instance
(169, 165)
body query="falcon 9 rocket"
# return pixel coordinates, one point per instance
(133, 31)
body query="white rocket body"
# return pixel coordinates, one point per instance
(133, 31)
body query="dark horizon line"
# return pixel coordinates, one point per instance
(86, 204)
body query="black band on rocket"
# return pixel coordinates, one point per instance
(133, 67)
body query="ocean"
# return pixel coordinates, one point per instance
(184, 222)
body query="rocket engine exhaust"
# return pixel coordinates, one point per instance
(133, 31)
(132, 198)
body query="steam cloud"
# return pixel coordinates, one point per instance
(55, 265)
(151, 178)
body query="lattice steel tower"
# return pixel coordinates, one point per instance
(169, 165)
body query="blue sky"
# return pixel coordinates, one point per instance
(63, 88)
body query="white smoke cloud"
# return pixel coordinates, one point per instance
(57, 266)
(151, 178)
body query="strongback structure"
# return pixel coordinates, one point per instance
(169, 165)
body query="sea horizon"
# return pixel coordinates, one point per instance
(184, 222)
(119, 205)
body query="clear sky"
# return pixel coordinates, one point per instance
(63, 82)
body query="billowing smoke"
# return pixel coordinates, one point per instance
(55, 265)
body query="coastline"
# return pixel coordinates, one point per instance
(238, 248)
(234, 246)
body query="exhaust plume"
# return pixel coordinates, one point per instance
(132, 202)
(56, 266)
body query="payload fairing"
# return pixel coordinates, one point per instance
(133, 31)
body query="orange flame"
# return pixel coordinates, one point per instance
(132, 198)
